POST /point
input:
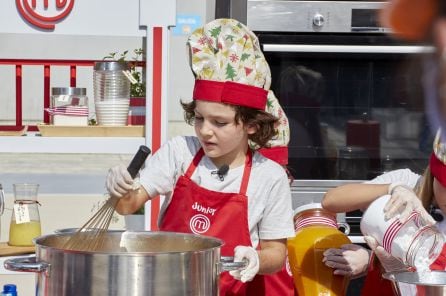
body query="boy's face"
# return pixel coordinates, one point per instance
(222, 139)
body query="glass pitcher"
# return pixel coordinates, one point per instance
(25, 219)
(2, 201)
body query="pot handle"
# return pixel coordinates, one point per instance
(227, 264)
(26, 264)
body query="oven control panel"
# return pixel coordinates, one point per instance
(318, 20)
(314, 16)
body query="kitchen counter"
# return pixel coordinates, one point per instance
(56, 211)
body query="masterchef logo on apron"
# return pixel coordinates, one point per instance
(200, 223)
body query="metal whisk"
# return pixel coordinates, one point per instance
(92, 234)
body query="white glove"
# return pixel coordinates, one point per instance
(350, 260)
(249, 254)
(389, 262)
(119, 182)
(403, 201)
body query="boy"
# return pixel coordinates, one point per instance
(216, 184)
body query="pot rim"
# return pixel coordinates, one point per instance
(219, 243)
(415, 278)
(74, 229)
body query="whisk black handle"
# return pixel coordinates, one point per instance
(138, 160)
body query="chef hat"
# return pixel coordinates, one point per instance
(230, 68)
(438, 159)
(410, 19)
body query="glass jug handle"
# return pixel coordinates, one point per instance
(2, 200)
(345, 227)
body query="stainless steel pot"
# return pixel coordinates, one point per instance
(160, 263)
(432, 283)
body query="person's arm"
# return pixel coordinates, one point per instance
(158, 176)
(132, 201)
(120, 185)
(272, 255)
(351, 197)
(269, 259)
(276, 224)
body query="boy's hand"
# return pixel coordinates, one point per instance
(119, 182)
(249, 254)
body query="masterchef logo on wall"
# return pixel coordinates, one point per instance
(42, 14)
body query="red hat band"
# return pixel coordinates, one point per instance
(230, 92)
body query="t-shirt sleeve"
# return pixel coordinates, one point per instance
(164, 167)
(277, 220)
(404, 176)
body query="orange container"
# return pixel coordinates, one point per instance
(316, 231)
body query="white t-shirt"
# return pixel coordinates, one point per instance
(270, 213)
(404, 176)
(409, 178)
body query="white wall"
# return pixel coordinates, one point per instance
(91, 47)
(181, 78)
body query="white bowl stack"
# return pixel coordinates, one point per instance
(111, 93)
(112, 112)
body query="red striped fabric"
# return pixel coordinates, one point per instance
(68, 110)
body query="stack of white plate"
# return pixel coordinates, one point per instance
(112, 112)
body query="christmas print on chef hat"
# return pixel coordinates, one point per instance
(229, 67)
(437, 162)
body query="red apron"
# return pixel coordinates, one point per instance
(221, 215)
(374, 283)
(440, 262)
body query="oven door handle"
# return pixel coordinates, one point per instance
(391, 49)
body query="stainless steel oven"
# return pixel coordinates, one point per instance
(351, 91)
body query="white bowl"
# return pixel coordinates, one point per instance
(112, 103)
(112, 122)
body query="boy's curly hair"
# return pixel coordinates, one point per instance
(263, 121)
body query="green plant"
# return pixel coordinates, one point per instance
(137, 89)
(140, 211)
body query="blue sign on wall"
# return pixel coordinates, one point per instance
(186, 24)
